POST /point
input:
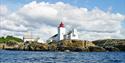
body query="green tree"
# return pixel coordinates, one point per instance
(10, 38)
(2, 40)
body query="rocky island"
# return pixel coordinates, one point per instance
(14, 43)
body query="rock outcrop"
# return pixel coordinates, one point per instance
(74, 45)
(68, 45)
(96, 49)
(111, 44)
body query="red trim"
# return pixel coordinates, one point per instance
(61, 25)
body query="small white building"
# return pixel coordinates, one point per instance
(41, 41)
(73, 34)
(28, 37)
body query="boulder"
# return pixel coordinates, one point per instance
(96, 49)
(111, 48)
(52, 46)
(120, 47)
(37, 46)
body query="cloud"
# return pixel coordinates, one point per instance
(43, 18)
(12, 23)
(3, 10)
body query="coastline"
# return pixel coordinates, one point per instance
(107, 45)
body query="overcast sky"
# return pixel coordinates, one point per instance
(94, 19)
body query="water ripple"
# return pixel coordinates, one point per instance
(61, 57)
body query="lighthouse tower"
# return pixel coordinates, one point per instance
(61, 31)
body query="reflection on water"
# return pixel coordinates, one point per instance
(61, 57)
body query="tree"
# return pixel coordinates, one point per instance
(10, 38)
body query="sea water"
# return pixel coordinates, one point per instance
(60, 57)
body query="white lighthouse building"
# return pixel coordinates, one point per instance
(62, 35)
(61, 31)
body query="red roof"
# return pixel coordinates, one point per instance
(61, 25)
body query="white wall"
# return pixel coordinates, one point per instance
(74, 34)
(61, 33)
(29, 40)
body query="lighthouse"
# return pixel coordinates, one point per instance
(63, 35)
(61, 31)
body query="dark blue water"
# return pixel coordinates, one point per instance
(61, 57)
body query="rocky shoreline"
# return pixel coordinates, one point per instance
(110, 45)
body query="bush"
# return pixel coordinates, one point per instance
(2, 40)
(10, 39)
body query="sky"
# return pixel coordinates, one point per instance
(94, 19)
